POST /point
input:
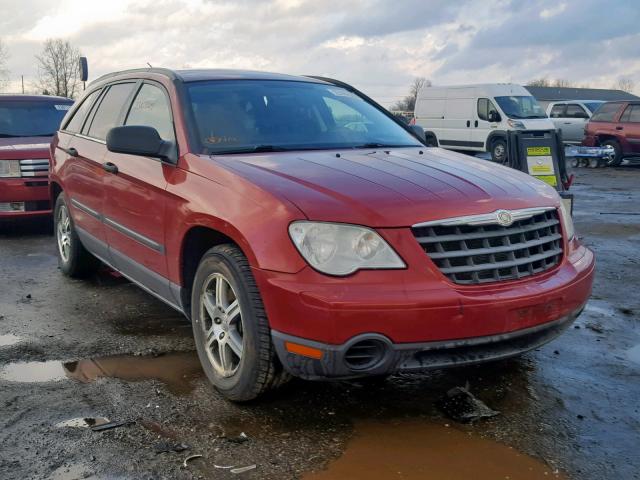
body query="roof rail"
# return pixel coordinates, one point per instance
(160, 71)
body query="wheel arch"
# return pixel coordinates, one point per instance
(493, 136)
(196, 241)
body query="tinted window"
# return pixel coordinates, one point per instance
(26, 118)
(606, 113)
(557, 111)
(151, 108)
(576, 111)
(108, 114)
(631, 114)
(75, 124)
(239, 115)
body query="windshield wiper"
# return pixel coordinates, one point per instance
(8, 135)
(254, 149)
(381, 145)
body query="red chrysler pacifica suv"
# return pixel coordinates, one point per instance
(27, 123)
(305, 232)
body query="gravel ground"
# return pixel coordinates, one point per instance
(103, 348)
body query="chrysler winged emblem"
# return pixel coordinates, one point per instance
(504, 217)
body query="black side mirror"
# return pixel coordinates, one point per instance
(140, 140)
(494, 116)
(418, 132)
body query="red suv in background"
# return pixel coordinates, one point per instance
(27, 123)
(305, 231)
(615, 124)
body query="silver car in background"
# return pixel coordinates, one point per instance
(570, 116)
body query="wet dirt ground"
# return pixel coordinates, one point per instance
(78, 354)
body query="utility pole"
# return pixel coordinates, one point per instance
(22, 78)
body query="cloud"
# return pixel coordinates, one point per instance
(376, 45)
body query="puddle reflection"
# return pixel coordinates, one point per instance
(411, 450)
(176, 370)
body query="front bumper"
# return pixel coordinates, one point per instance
(337, 360)
(31, 193)
(411, 311)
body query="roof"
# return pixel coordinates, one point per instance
(197, 75)
(551, 94)
(23, 97)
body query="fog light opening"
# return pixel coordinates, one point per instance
(365, 354)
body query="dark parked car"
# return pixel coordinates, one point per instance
(615, 124)
(305, 231)
(27, 123)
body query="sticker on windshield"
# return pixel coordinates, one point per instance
(62, 107)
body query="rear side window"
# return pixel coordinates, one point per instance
(576, 111)
(606, 113)
(151, 108)
(557, 111)
(110, 109)
(75, 124)
(631, 114)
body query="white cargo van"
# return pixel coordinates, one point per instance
(477, 117)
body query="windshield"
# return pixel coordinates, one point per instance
(521, 107)
(240, 116)
(31, 118)
(592, 106)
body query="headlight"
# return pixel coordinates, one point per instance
(340, 249)
(567, 221)
(516, 124)
(9, 168)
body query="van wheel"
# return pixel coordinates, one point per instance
(74, 260)
(616, 160)
(230, 327)
(499, 151)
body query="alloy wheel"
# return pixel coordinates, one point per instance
(221, 321)
(63, 233)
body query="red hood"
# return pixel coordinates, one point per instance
(18, 148)
(395, 189)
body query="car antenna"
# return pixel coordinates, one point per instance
(149, 65)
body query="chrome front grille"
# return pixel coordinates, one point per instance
(34, 168)
(476, 249)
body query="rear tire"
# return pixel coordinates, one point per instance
(230, 327)
(73, 259)
(499, 151)
(617, 156)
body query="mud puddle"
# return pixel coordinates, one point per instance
(176, 370)
(9, 339)
(411, 450)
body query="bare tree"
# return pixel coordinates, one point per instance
(563, 83)
(539, 82)
(58, 68)
(4, 71)
(625, 84)
(408, 103)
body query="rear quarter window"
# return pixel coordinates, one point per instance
(606, 113)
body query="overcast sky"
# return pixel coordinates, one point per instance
(378, 46)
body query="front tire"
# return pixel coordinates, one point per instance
(616, 160)
(499, 151)
(73, 259)
(230, 327)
